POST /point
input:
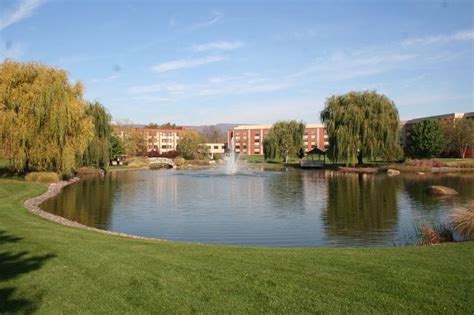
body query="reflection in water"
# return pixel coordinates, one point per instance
(276, 208)
(362, 207)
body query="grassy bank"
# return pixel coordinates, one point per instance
(52, 268)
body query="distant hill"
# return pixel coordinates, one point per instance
(221, 127)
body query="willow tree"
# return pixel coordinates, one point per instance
(43, 124)
(361, 124)
(98, 151)
(284, 139)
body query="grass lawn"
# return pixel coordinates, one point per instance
(50, 268)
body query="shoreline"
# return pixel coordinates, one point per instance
(33, 206)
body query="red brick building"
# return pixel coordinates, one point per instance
(248, 139)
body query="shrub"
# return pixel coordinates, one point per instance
(435, 234)
(198, 162)
(462, 221)
(42, 177)
(169, 154)
(89, 171)
(426, 163)
(179, 161)
(218, 156)
(138, 162)
(159, 166)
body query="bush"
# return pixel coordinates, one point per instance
(138, 162)
(42, 177)
(179, 161)
(462, 221)
(89, 171)
(198, 162)
(169, 155)
(435, 234)
(426, 163)
(218, 157)
(159, 166)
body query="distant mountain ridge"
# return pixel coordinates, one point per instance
(221, 127)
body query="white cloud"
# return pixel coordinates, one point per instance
(220, 45)
(186, 63)
(466, 35)
(341, 66)
(23, 10)
(216, 17)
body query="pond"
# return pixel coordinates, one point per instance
(258, 207)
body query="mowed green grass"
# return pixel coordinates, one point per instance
(50, 268)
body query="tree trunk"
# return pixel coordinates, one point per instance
(360, 158)
(286, 159)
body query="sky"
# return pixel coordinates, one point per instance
(208, 62)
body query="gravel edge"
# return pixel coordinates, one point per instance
(32, 204)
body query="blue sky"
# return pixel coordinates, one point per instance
(197, 62)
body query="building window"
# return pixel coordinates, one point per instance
(216, 147)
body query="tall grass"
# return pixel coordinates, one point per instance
(42, 177)
(462, 221)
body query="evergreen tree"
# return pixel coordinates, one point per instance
(426, 139)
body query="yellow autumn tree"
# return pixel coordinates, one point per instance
(43, 123)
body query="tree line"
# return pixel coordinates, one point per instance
(366, 125)
(432, 138)
(47, 125)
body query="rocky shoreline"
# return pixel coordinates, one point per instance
(32, 204)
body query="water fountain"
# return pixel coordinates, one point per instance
(232, 161)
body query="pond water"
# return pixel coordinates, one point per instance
(258, 207)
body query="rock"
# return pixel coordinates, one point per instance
(441, 190)
(392, 172)
(420, 173)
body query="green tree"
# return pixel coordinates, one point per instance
(168, 126)
(43, 122)
(116, 146)
(361, 124)
(284, 139)
(459, 135)
(426, 139)
(97, 152)
(188, 144)
(152, 126)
